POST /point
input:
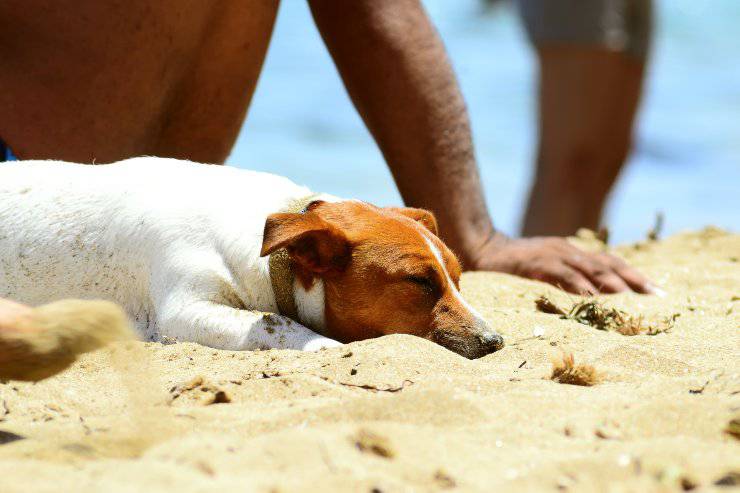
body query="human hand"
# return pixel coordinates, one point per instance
(556, 261)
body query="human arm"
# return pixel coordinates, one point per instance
(397, 73)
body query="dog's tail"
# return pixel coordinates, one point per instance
(49, 338)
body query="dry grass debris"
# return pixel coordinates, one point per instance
(733, 428)
(199, 391)
(371, 443)
(565, 370)
(595, 314)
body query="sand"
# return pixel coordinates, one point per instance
(402, 414)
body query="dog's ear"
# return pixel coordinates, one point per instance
(313, 243)
(422, 216)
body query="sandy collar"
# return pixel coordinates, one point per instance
(281, 272)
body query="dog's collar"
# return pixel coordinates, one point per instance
(281, 271)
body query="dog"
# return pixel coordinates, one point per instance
(230, 258)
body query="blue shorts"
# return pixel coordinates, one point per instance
(6, 154)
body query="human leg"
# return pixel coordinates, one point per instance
(592, 59)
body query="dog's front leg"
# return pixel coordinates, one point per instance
(224, 327)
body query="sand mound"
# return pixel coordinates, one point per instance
(400, 413)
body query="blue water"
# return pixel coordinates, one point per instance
(686, 161)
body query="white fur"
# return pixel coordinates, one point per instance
(438, 255)
(175, 243)
(310, 304)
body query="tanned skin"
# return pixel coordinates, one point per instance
(588, 99)
(99, 81)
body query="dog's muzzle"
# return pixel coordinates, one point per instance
(468, 341)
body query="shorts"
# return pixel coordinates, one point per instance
(623, 26)
(5, 153)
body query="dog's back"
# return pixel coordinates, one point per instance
(51, 217)
(71, 230)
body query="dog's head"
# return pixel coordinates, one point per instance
(384, 270)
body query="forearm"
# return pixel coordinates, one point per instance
(397, 73)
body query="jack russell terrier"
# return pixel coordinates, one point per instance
(230, 258)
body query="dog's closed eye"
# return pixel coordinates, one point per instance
(426, 283)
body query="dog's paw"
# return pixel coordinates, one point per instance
(321, 343)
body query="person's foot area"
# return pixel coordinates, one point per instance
(16, 323)
(554, 260)
(37, 343)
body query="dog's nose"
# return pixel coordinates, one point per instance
(482, 344)
(490, 342)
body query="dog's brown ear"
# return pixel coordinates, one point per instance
(313, 243)
(423, 216)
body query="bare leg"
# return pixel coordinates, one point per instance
(587, 104)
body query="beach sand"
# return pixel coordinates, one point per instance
(402, 414)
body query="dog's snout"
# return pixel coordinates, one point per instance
(461, 329)
(491, 342)
(467, 343)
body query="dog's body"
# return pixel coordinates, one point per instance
(179, 245)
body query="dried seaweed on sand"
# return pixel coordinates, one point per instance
(369, 442)
(544, 305)
(565, 370)
(733, 428)
(593, 313)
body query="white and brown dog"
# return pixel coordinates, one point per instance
(229, 258)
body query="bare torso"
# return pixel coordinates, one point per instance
(96, 80)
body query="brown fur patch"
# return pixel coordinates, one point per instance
(380, 276)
